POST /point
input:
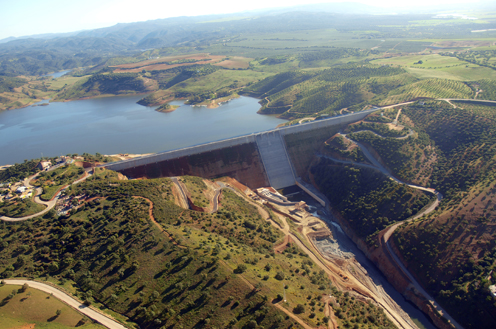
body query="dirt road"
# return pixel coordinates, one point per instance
(376, 165)
(339, 275)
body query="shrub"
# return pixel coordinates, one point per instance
(299, 309)
(240, 269)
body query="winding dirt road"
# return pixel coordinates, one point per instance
(332, 269)
(432, 206)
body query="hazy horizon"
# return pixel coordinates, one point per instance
(30, 17)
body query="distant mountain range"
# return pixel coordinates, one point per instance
(44, 53)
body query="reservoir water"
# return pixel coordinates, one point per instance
(57, 74)
(118, 125)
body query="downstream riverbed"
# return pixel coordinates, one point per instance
(118, 125)
(349, 249)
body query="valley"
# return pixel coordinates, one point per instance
(323, 166)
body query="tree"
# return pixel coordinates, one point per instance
(240, 269)
(299, 309)
(113, 298)
(58, 312)
(54, 267)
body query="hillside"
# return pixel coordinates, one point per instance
(451, 250)
(129, 248)
(458, 267)
(366, 199)
(107, 84)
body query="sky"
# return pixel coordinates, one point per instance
(29, 17)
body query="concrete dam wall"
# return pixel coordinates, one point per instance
(256, 160)
(241, 162)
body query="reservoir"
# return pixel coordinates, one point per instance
(119, 125)
(113, 125)
(57, 74)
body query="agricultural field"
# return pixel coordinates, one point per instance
(165, 63)
(218, 80)
(235, 62)
(430, 88)
(438, 66)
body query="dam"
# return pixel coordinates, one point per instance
(274, 158)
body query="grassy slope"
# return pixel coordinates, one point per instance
(437, 66)
(52, 181)
(134, 269)
(34, 90)
(20, 208)
(107, 84)
(38, 308)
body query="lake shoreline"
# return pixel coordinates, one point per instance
(113, 125)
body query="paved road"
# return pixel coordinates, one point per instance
(216, 200)
(410, 133)
(69, 300)
(394, 105)
(467, 100)
(180, 188)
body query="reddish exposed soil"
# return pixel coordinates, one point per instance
(283, 246)
(157, 64)
(235, 63)
(150, 213)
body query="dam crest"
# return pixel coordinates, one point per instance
(277, 157)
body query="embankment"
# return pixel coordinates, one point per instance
(380, 257)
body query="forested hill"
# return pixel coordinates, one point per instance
(451, 251)
(130, 249)
(298, 94)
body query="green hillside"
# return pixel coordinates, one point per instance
(187, 269)
(451, 251)
(105, 84)
(367, 199)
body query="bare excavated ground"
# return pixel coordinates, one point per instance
(313, 236)
(343, 269)
(316, 238)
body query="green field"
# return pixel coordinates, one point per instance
(437, 66)
(218, 80)
(52, 181)
(38, 308)
(20, 208)
(433, 61)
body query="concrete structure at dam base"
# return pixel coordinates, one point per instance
(256, 160)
